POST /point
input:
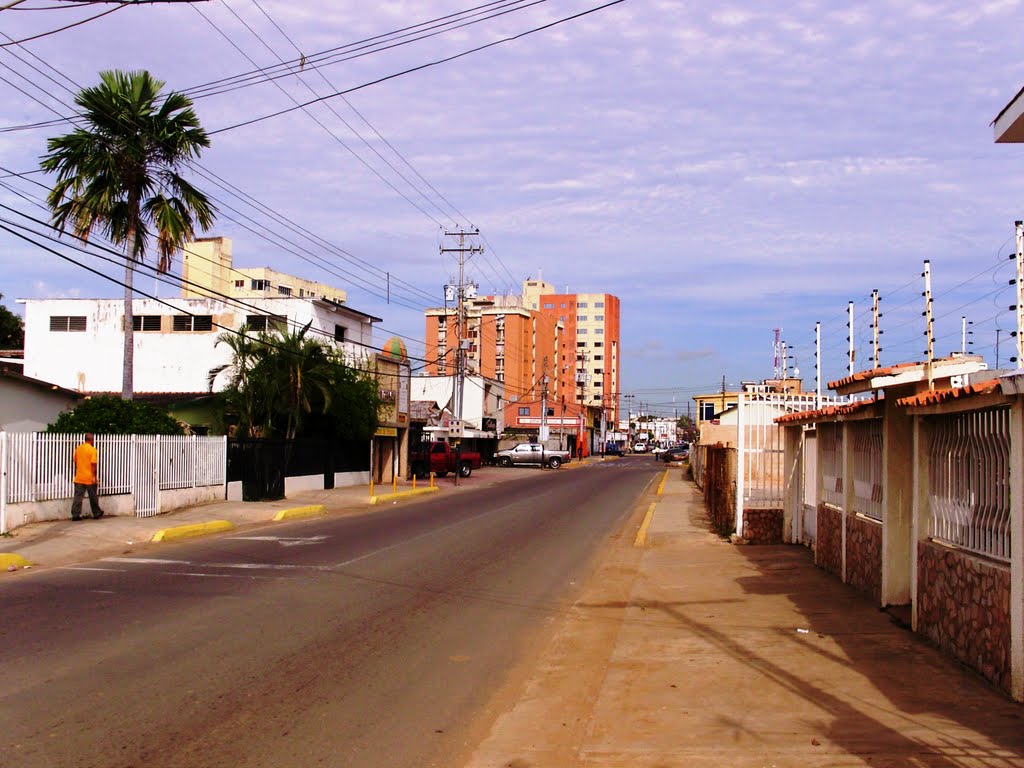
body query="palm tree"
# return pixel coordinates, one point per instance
(119, 172)
(306, 369)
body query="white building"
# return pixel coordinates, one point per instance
(483, 401)
(78, 343)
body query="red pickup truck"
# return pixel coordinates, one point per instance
(441, 458)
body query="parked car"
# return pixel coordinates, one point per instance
(658, 450)
(676, 453)
(639, 447)
(613, 449)
(442, 458)
(531, 453)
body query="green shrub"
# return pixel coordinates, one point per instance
(110, 415)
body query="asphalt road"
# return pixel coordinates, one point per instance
(378, 640)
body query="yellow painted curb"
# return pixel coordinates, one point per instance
(296, 512)
(661, 485)
(7, 559)
(196, 529)
(402, 494)
(641, 535)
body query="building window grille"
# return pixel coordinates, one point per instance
(260, 285)
(599, 304)
(193, 323)
(524, 410)
(581, 305)
(266, 322)
(67, 323)
(146, 323)
(284, 290)
(239, 283)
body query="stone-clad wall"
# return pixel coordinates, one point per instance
(864, 555)
(829, 545)
(762, 526)
(963, 605)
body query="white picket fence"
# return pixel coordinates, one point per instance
(37, 466)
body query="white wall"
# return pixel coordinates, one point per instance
(165, 361)
(438, 389)
(27, 408)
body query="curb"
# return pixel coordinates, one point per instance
(297, 512)
(641, 535)
(9, 561)
(196, 529)
(402, 494)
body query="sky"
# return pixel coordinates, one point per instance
(725, 169)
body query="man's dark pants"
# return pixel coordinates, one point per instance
(76, 503)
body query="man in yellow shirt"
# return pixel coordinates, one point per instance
(85, 458)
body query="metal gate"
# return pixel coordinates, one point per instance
(146, 475)
(760, 472)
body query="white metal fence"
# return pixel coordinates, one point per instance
(37, 466)
(830, 452)
(969, 480)
(866, 442)
(761, 445)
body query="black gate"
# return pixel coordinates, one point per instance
(262, 465)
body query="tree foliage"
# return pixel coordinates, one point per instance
(110, 415)
(119, 172)
(12, 329)
(289, 384)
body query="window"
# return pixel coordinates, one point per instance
(599, 331)
(581, 318)
(339, 333)
(146, 323)
(67, 323)
(599, 304)
(562, 305)
(581, 305)
(707, 410)
(598, 370)
(548, 305)
(260, 285)
(193, 323)
(598, 343)
(598, 384)
(599, 318)
(598, 357)
(266, 322)
(239, 283)
(561, 318)
(581, 331)
(284, 290)
(524, 410)
(596, 397)
(581, 344)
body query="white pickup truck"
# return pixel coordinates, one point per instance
(531, 453)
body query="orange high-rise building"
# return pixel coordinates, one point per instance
(564, 347)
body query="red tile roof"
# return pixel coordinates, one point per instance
(935, 396)
(826, 414)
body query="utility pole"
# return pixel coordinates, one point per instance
(463, 251)
(543, 434)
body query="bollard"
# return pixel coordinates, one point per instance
(431, 479)
(371, 487)
(394, 483)
(414, 481)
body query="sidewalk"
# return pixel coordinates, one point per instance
(722, 655)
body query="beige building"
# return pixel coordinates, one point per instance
(207, 270)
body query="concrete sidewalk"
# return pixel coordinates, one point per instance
(722, 655)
